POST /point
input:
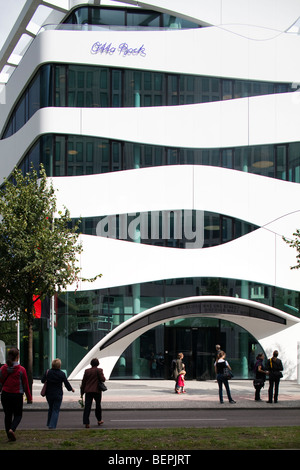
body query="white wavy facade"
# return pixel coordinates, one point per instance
(241, 40)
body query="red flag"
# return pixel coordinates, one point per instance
(37, 307)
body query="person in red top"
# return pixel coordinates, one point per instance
(14, 380)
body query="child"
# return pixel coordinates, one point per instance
(180, 382)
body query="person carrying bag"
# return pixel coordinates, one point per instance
(275, 368)
(90, 386)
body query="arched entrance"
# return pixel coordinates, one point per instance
(259, 320)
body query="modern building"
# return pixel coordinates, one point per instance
(172, 129)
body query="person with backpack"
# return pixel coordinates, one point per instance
(275, 368)
(14, 380)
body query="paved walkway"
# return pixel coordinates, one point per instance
(151, 394)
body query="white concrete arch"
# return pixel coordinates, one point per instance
(262, 321)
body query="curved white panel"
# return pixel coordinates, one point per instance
(247, 42)
(208, 51)
(260, 256)
(242, 122)
(259, 328)
(243, 12)
(252, 198)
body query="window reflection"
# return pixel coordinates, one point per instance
(91, 86)
(99, 155)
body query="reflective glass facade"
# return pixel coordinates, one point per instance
(72, 155)
(129, 17)
(74, 85)
(176, 229)
(84, 318)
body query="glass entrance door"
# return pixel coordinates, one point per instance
(198, 347)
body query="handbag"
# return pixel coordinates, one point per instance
(258, 383)
(44, 389)
(227, 374)
(101, 385)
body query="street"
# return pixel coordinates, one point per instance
(164, 418)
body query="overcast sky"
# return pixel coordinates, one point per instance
(9, 10)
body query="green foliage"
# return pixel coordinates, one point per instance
(38, 249)
(295, 243)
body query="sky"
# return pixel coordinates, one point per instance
(9, 10)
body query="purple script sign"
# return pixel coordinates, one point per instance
(122, 49)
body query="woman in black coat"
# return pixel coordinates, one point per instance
(260, 376)
(275, 368)
(55, 377)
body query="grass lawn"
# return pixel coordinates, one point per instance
(261, 438)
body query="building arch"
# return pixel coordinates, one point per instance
(262, 321)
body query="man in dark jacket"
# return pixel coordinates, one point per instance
(274, 366)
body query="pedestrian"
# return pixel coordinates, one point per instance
(220, 365)
(54, 378)
(181, 382)
(275, 368)
(14, 380)
(90, 387)
(260, 376)
(177, 368)
(218, 350)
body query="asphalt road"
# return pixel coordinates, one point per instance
(159, 418)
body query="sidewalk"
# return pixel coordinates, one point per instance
(153, 394)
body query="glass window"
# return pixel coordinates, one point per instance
(117, 88)
(59, 156)
(45, 155)
(227, 158)
(281, 161)
(212, 229)
(80, 16)
(227, 229)
(241, 159)
(227, 89)
(20, 114)
(262, 160)
(46, 86)
(102, 156)
(116, 153)
(107, 16)
(140, 18)
(294, 162)
(173, 92)
(34, 96)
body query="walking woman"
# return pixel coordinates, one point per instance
(89, 387)
(14, 380)
(54, 392)
(220, 365)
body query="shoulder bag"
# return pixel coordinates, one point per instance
(227, 374)
(44, 389)
(101, 385)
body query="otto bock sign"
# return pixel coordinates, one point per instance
(123, 49)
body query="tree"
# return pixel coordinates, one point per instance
(295, 243)
(38, 248)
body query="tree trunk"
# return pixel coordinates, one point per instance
(30, 354)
